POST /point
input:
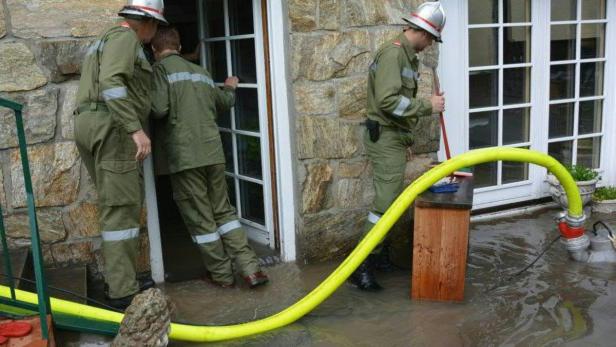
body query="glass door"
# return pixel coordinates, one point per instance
(533, 75)
(234, 46)
(577, 65)
(499, 73)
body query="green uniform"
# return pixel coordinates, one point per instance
(392, 102)
(113, 102)
(187, 99)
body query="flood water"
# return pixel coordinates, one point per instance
(556, 302)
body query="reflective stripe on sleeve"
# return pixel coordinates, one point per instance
(408, 73)
(187, 76)
(114, 93)
(403, 104)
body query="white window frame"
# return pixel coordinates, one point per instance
(453, 69)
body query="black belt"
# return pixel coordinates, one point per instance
(93, 106)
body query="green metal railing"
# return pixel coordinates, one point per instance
(44, 306)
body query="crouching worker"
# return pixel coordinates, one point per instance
(187, 100)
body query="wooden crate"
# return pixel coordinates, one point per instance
(440, 244)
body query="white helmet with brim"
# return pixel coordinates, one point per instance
(144, 8)
(430, 17)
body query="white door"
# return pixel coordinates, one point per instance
(532, 76)
(233, 37)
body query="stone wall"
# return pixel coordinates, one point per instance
(332, 44)
(42, 44)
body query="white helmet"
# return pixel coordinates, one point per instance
(430, 17)
(144, 8)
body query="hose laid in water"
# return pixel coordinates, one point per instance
(343, 271)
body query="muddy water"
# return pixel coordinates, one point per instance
(556, 302)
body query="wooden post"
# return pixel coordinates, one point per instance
(440, 244)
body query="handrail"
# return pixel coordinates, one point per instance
(37, 255)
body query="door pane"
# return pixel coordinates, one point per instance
(564, 10)
(562, 44)
(590, 116)
(516, 45)
(589, 152)
(244, 61)
(483, 88)
(562, 82)
(516, 86)
(561, 120)
(217, 58)
(593, 41)
(593, 9)
(485, 175)
(483, 47)
(249, 156)
(562, 151)
(483, 129)
(247, 109)
(516, 11)
(214, 10)
(227, 146)
(516, 125)
(224, 119)
(591, 79)
(252, 202)
(514, 171)
(240, 20)
(482, 11)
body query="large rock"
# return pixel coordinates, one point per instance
(354, 169)
(68, 103)
(427, 135)
(315, 98)
(55, 174)
(325, 56)
(50, 227)
(329, 14)
(18, 70)
(349, 193)
(2, 23)
(53, 18)
(382, 35)
(326, 138)
(330, 235)
(81, 220)
(146, 322)
(61, 57)
(143, 257)
(315, 187)
(39, 115)
(358, 13)
(81, 252)
(352, 96)
(303, 15)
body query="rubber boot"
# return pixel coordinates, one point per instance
(363, 278)
(382, 262)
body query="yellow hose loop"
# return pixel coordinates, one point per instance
(343, 271)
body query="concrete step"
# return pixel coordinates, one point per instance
(73, 278)
(19, 258)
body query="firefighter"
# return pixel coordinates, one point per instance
(393, 113)
(113, 105)
(188, 102)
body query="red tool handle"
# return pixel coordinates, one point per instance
(437, 91)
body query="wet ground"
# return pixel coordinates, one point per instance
(555, 303)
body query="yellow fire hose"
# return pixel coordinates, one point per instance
(335, 279)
